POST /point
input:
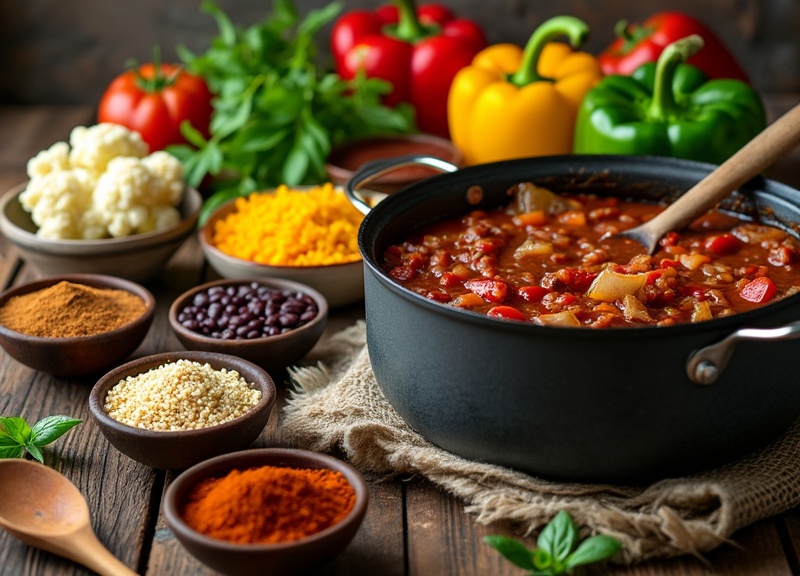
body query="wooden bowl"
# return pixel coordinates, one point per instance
(282, 559)
(176, 450)
(340, 284)
(80, 355)
(137, 257)
(269, 352)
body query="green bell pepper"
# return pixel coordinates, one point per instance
(669, 108)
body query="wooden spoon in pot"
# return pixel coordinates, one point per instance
(778, 139)
(45, 510)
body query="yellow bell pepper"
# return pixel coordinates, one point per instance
(509, 103)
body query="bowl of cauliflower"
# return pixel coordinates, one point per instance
(100, 204)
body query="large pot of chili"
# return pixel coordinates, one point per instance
(615, 404)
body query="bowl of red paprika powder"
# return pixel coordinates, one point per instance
(74, 324)
(270, 511)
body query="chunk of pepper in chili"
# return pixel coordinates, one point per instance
(418, 51)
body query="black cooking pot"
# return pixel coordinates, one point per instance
(606, 405)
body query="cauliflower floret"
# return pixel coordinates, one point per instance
(58, 201)
(54, 159)
(105, 185)
(94, 147)
(169, 170)
(131, 199)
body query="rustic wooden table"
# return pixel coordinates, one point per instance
(411, 527)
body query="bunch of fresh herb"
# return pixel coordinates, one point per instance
(17, 437)
(277, 112)
(556, 551)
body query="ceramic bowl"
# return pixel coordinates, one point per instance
(270, 352)
(340, 284)
(137, 257)
(344, 160)
(176, 450)
(284, 559)
(81, 355)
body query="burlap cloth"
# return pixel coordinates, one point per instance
(337, 406)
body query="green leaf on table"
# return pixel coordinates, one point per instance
(17, 437)
(594, 549)
(17, 428)
(512, 550)
(554, 554)
(559, 537)
(52, 428)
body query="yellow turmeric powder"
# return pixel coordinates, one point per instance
(290, 227)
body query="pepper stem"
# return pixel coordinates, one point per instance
(576, 30)
(408, 28)
(674, 54)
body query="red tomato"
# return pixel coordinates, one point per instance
(154, 104)
(723, 244)
(490, 290)
(532, 293)
(507, 312)
(759, 290)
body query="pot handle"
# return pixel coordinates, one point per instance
(706, 364)
(373, 170)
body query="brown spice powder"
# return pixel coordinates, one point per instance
(66, 310)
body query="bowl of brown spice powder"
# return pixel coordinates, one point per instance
(74, 324)
(270, 511)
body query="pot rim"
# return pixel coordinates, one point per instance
(419, 191)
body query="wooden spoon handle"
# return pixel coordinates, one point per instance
(778, 139)
(86, 549)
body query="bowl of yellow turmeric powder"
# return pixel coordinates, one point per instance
(305, 234)
(269, 511)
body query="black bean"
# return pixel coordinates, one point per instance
(249, 310)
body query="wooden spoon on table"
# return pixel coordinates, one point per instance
(777, 140)
(45, 510)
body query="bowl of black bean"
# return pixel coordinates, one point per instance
(268, 321)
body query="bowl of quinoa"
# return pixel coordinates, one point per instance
(175, 409)
(305, 234)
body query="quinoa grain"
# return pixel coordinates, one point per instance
(180, 395)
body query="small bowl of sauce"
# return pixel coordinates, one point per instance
(344, 160)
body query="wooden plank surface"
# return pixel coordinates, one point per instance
(412, 527)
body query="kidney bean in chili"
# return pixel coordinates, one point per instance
(555, 260)
(250, 310)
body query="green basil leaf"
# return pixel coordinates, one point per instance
(593, 549)
(559, 536)
(16, 428)
(51, 428)
(34, 451)
(512, 550)
(318, 18)
(16, 451)
(294, 170)
(206, 161)
(263, 141)
(214, 201)
(226, 29)
(192, 135)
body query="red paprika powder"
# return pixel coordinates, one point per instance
(268, 505)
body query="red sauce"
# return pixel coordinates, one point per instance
(533, 265)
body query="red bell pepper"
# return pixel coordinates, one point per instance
(418, 51)
(636, 45)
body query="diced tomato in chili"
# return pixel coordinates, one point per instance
(782, 255)
(532, 293)
(577, 279)
(438, 296)
(667, 263)
(694, 291)
(759, 290)
(653, 276)
(566, 299)
(403, 272)
(489, 289)
(723, 244)
(670, 239)
(508, 312)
